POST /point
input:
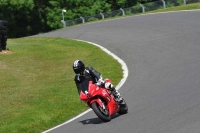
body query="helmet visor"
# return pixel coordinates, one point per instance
(77, 71)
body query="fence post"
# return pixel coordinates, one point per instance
(83, 20)
(164, 5)
(64, 23)
(102, 15)
(184, 2)
(123, 14)
(143, 10)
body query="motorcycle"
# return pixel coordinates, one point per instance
(101, 100)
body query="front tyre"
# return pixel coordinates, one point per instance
(123, 107)
(103, 114)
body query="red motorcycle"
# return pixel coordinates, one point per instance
(101, 100)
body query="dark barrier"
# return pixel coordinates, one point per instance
(3, 34)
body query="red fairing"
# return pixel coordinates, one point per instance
(101, 96)
(83, 96)
(112, 106)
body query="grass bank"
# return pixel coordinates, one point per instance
(37, 88)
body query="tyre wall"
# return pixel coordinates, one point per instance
(3, 34)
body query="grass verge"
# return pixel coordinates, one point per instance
(191, 6)
(178, 8)
(37, 87)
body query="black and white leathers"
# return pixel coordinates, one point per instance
(89, 74)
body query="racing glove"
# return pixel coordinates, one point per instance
(100, 82)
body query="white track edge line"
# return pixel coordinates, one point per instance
(125, 68)
(125, 75)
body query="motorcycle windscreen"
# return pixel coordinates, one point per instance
(84, 86)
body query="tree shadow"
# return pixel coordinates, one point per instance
(97, 120)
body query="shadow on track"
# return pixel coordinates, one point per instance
(96, 120)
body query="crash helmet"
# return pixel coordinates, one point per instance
(78, 67)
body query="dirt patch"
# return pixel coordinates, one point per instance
(6, 52)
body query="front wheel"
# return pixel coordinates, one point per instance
(123, 107)
(103, 114)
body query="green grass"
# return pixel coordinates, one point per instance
(192, 6)
(37, 82)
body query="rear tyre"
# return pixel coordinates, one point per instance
(3, 45)
(103, 114)
(3, 22)
(3, 27)
(123, 108)
(3, 32)
(0, 43)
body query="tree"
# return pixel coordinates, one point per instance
(17, 13)
(29, 17)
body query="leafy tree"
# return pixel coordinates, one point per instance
(39, 19)
(29, 17)
(17, 13)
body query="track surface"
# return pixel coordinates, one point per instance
(162, 52)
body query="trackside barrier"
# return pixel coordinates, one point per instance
(160, 4)
(3, 34)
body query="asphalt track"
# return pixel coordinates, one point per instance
(162, 52)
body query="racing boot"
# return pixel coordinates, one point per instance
(116, 94)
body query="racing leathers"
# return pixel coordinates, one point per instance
(91, 74)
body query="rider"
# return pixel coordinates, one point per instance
(85, 73)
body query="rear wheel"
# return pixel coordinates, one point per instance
(102, 113)
(3, 22)
(123, 107)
